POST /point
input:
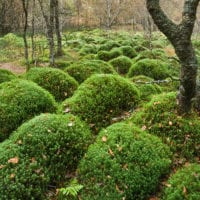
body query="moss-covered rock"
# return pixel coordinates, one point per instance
(41, 153)
(121, 64)
(184, 184)
(102, 97)
(6, 75)
(155, 69)
(160, 118)
(124, 163)
(57, 82)
(85, 68)
(21, 100)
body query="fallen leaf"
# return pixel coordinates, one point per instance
(14, 160)
(170, 123)
(2, 166)
(67, 110)
(70, 124)
(144, 128)
(111, 152)
(104, 138)
(184, 190)
(12, 176)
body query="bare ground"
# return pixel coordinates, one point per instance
(13, 67)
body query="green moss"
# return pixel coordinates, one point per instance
(6, 75)
(184, 184)
(85, 68)
(102, 97)
(108, 55)
(121, 64)
(108, 45)
(21, 100)
(155, 69)
(160, 118)
(124, 163)
(41, 153)
(128, 51)
(58, 83)
(88, 49)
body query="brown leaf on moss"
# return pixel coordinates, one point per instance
(14, 160)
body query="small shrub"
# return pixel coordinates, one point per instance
(124, 163)
(128, 51)
(121, 64)
(184, 184)
(57, 82)
(21, 100)
(41, 152)
(149, 67)
(102, 97)
(6, 75)
(160, 118)
(85, 68)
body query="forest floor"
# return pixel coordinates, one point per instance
(13, 67)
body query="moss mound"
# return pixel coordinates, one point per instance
(108, 45)
(128, 51)
(184, 184)
(124, 163)
(21, 100)
(6, 75)
(160, 117)
(121, 64)
(57, 82)
(84, 69)
(109, 55)
(155, 69)
(40, 153)
(102, 97)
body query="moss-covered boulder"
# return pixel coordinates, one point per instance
(121, 64)
(160, 118)
(57, 82)
(85, 68)
(124, 163)
(21, 100)
(6, 75)
(102, 97)
(155, 69)
(40, 153)
(184, 184)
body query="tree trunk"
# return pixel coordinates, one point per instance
(180, 37)
(25, 9)
(50, 28)
(57, 28)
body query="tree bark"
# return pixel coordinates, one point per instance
(49, 20)
(26, 54)
(180, 37)
(57, 29)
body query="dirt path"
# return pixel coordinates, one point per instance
(13, 67)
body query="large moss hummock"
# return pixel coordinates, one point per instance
(20, 100)
(102, 97)
(160, 118)
(85, 68)
(184, 184)
(57, 82)
(155, 69)
(42, 152)
(6, 75)
(124, 163)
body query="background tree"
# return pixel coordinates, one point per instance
(180, 37)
